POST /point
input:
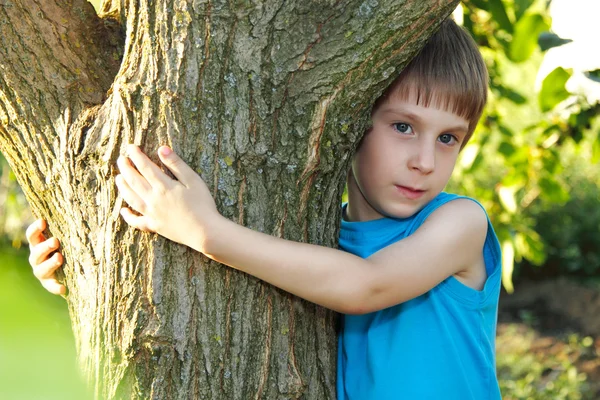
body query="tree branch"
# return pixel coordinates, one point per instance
(57, 57)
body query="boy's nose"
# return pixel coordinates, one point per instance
(423, 159)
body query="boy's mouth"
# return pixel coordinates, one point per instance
(409, 192)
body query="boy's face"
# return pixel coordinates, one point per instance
(404, 160)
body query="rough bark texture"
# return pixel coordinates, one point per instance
(267, 100)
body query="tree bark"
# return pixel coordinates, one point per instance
(267, 100)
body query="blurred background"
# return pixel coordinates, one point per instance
(534, 165)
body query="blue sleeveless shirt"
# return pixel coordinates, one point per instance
(440, 345)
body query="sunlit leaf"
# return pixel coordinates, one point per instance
(596, 151)
(507, 198)
(530, 245)
(521, 6)
(516, 179)
(553, 89)
(468, 155)
(525, 37)
(548, 40)
(508, 265)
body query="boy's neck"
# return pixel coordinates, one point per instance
(358, 209)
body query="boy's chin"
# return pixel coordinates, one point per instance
(404, 211)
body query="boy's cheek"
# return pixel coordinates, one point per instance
(362, 139)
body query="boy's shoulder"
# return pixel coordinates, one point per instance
(453, 207)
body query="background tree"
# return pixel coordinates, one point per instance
(266, 99)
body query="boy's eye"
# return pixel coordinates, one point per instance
(447, 138)
(403, 127)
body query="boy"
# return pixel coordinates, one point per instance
(419, 279)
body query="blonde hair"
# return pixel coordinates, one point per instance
(448, 73)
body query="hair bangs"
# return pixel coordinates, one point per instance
(448, 73)
(452, 95)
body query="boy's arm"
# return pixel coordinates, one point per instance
(450, 241)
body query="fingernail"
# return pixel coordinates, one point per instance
(165, 151)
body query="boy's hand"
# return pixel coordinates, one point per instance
(179, 210)
(44, 266)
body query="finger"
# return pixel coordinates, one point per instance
(176, 165)
(34, 232)
(129, 195)
(40, 252)
(46, 269)
(137, 221)
(133, 178)
(146, 167)
(53, 286)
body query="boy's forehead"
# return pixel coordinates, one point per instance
(413, 110)
(404, 95)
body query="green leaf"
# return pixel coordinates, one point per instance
(521, 6)
(507, 149)
(553, 190)
(525, 37)
(596, 151)
(551, 162)
(496, 8)
(548, 40)
(505, 131)
(508, 265)
(581, 121)
(553, 89)
(477, 162)
(593, 75)
(511, 95)
(480, 4)
(530, 246)
(515, 178)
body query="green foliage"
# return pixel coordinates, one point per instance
(553, 89)
(524, 374)
(571, 231)
(498, 11)
(525, 38)
(14, 213)
(36, 342)
(522, 134)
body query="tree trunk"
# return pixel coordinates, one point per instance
(267, 99)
